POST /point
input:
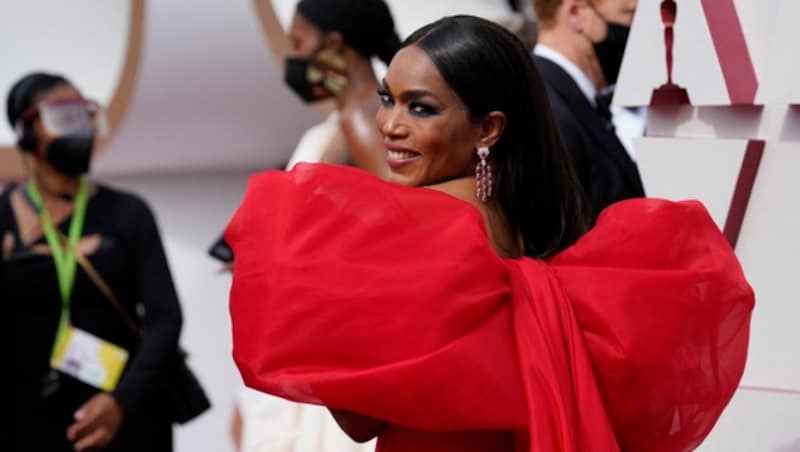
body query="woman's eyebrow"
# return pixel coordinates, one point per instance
(411, 93)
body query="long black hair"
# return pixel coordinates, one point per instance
(491, 70)
(366, 25)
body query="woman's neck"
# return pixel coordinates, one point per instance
(53, 185)
(361, 82)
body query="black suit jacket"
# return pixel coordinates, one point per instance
(604, 167)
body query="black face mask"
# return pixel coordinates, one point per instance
(318, 78)
(611, 50)
(297, 78)
(71, 154)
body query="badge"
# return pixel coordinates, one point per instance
(88, 358)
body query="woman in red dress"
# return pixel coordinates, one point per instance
(476, 314)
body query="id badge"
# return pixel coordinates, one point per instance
(88, 358)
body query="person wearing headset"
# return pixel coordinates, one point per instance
(83, 370)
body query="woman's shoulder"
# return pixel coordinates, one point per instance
(352, 191)
(129, 207)
(5, 192)
(5, 205)
(322, 179)
(348, 211)
(120, 197)
(648, 232)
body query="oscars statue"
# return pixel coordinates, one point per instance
(669, 93)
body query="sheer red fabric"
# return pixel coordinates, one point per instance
(388, 301)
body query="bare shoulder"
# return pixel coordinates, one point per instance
(463, 189)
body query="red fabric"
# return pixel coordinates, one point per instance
(389, 301)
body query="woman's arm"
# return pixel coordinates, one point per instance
(359, 428)
(155, 291)
(363, 137)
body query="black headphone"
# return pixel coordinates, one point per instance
(26, 137)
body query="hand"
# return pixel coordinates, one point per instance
(358, 427)
(236, 427)
(226, 268)
(96, 423)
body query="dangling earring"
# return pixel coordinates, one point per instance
(483, 175)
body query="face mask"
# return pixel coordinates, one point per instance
(72, 123)
(316, 79)
(610, 51)
(71, 154)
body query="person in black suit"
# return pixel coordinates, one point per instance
(579, 53)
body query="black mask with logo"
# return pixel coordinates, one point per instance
(611, 50)
(71, 154)
(296, 77)
(317, 78)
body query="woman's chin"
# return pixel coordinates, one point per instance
(402, 178)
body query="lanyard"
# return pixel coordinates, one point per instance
(63, 257)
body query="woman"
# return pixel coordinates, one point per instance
(332, 45)
(47, 226)
(472, 320)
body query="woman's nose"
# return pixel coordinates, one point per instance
(390, 122)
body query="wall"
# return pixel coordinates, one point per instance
(93, 53)
(736, 148)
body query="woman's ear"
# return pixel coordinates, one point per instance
(333, 41)
(492, 126)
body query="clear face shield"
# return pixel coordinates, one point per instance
(73, 124)
(63, 117)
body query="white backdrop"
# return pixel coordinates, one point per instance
(86, 40)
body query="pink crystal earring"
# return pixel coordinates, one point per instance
(483, 175)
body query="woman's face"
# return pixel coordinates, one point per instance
(304, 37)
(427, 129)
(57, 93)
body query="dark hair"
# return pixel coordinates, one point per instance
(366, 25)
(25, 92)
(491, 70)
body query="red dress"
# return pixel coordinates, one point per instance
(389, 301)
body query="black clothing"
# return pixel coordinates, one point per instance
(132, 261)
(607, 172)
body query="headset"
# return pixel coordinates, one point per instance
(26, 137)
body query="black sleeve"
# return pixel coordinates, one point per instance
(6, 381)
(575, 141)
(155, 292)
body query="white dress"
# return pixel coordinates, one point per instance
(272, 424)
